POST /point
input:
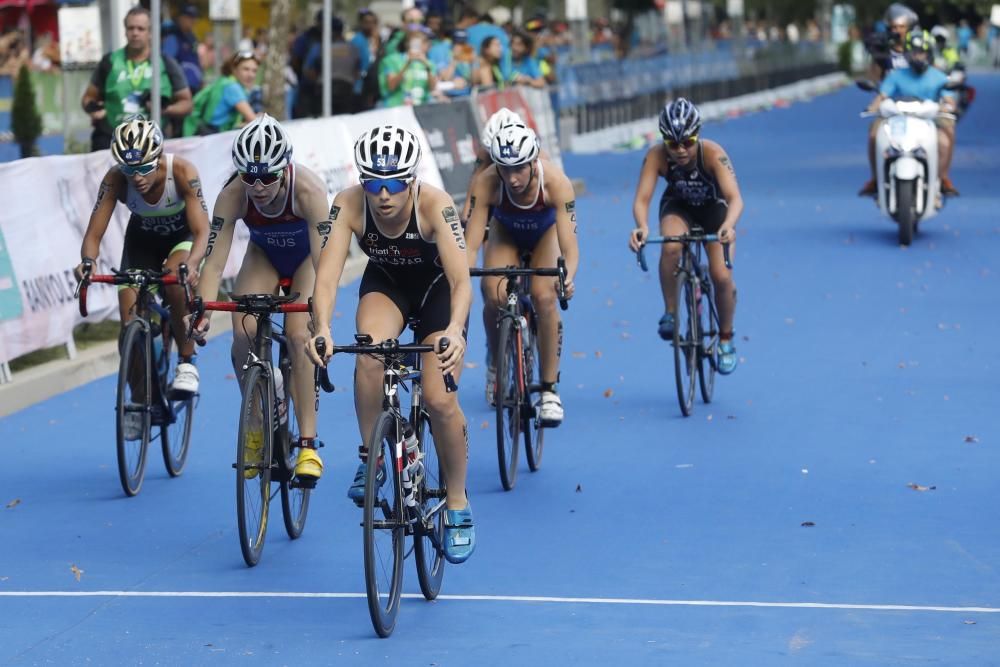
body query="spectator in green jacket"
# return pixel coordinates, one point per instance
(226, 103)
(408, 76)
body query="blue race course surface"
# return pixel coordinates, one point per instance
(867, 368)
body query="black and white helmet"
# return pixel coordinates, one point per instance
(137, 141)
(679, 120)
(514, 145)
(502, 118)
(262, 147)
(387, 151)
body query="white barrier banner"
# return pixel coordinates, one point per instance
(47, 205)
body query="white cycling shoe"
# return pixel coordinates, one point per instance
(186, 379)
(550, 409)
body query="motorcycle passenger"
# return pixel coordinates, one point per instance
(921, 81)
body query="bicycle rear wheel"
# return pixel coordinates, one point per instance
(294, 499)
(708, 330)
(686, 342)
(253, 464)
(134, 398)
(383, 527)
(428, 538)
(508, 403)
(175, 426)
(534, 432)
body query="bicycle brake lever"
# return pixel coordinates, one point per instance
(449, 379)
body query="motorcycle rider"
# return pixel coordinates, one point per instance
(922, 81)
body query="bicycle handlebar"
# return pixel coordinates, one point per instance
(684, 238)
(386, 348)
(512, 272)
(133, 277)
(251, 304)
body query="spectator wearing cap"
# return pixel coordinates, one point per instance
(407, 76)
(525, 68)
(122, 83)
(345, 69)
(228, 102)
(455, 75)
(181, 44)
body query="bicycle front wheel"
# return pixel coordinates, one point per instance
(133, 406)
(534, 432)
(428, 538)
(686, 343)
(708, 330)
(384, 527)
(175, 423)
(253, 464)
(294, 499)
(508, 399)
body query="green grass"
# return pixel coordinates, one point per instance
(86, 335)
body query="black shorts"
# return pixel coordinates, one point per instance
(426, 297)
(708, 216)
(148, 251)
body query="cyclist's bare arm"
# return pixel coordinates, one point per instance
(111, 189)
(563, 198)
(648, 176)
(438, 208)
(485, 191)
(189, 187)
(719, 164)
(310, 202)
(230, 206)
(346, 218)
(483, 162)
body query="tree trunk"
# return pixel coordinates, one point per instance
(278, 39)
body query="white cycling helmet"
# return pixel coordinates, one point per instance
(136, 141)
(514, 145)
(500, 119)
(387, 151)
(262, 147)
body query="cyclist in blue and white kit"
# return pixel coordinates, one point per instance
(533, 210)
(284, 206)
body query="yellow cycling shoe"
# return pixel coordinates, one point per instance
(252, 452)
(309, 467)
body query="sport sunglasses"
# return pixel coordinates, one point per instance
(142, 169)
(373, 186)
(686, 143)
(265, 179)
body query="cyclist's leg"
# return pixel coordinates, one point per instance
(256, 276)
(380, 315)
(500, 253)
(175, 297)
(447, 419)
(297, 332)
(673, 222)
(722, 278)
(545, 254)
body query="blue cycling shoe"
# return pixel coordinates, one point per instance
(666, 329)
(357, 490)
(727, 357)
(459, 535)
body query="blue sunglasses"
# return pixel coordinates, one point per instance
(373, 186)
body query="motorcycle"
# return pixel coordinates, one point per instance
(906, 161)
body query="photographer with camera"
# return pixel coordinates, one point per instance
(886, 46)
(122, 82)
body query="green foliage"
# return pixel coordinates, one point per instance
(25, 121)
(844, 56)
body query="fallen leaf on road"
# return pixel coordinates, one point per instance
(608, 393)
(230, 376)
(471, 364)
(485, 425)
(968, 438)
(808, 524)
(730, 416)
(918, 487)
(14, 503)
(598, 354)
(579, 355)
(969, 622)
(579, 488)
(77, 572)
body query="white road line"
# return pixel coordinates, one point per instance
(508, 598)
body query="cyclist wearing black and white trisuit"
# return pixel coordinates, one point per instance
(417, 268)
(530, 207)
(701, 191)
(284, 206)
(168, 227)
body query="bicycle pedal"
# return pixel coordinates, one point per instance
(303, 482)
